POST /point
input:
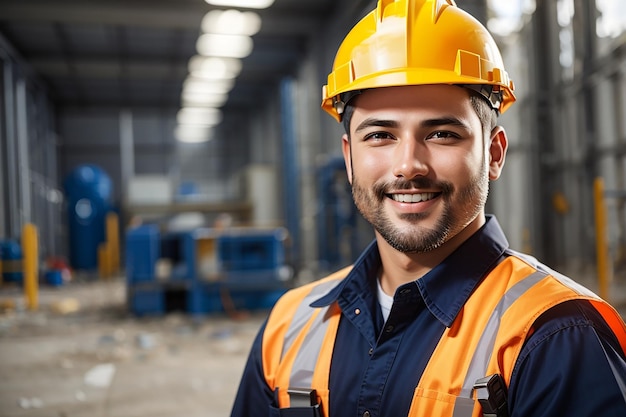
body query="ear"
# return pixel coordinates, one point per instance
(498, 144)
(347, 157)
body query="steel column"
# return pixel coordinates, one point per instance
(291, 174)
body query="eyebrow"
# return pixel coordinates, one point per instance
(373, 122)
(440, 121)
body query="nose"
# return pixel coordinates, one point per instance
(409, 159)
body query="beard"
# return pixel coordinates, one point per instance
(460, 207)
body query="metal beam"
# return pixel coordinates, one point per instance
(261, 65)
(172, 15)
(126, 14)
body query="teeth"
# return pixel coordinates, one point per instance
(412, 198)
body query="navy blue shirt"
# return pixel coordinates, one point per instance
(572, 365)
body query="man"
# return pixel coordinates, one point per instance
(438, 317)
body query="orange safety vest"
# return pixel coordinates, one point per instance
(485, 338)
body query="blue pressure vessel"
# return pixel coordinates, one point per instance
(88, 190)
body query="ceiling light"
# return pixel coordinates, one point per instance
(229, 46)
(214, 67)
(191, 99)
(250, 4)
(201, 116)
(207, 86)
(231, 22)
(193, 133)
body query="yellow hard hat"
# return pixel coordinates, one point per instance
(415, 42)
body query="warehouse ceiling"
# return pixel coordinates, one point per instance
(135, 53)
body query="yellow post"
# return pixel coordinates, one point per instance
(30, 259)
(602, 250)
(102, 272)
(526, 241)
(113, 241)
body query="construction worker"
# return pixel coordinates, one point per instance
(438, 316)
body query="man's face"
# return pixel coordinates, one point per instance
(418, 164)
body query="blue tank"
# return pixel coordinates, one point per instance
(88, 190)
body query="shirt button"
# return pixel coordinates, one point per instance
(371, 351)
(389, 329)
(366, 414)
(357, 311)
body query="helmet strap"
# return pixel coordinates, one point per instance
(491, 93)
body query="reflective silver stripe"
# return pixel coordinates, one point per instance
(463, 407)
(304, 364)
(306, 358)
(566, 281)
(303, 313)
(484, 348)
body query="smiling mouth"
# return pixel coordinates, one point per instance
(413, 198)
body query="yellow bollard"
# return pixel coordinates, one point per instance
(30, 253)
(602, 250)
(104, 260)
(113, 241)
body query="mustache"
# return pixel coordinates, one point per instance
(381, 189)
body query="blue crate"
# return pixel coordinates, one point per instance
(251, 250)
(146, 300)
(204, 299)
(256, 299)
(262, 279)
(54, 277)
(142, 252)
(207, 298)
(180, 249)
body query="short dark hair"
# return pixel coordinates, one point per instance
(487, 115)
(347, 116)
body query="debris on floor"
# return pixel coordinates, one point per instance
(83, 354)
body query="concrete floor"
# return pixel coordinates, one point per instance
(99, 361)
(83, 355)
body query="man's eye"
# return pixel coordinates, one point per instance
(443, 135)
(377, 136)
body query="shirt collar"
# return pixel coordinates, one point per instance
(445, 288)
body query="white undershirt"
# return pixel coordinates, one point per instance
(385, 301)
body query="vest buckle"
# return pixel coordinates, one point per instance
(303, 403)
(491, 394)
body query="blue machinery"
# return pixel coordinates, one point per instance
(203, 272)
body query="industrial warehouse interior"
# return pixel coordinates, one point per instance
(142, 248)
